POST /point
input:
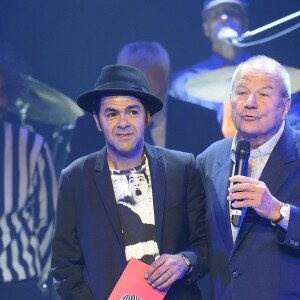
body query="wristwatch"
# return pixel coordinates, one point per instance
(187, 261)
(283, 213)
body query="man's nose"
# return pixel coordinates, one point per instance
(122, 121)
(251, 102)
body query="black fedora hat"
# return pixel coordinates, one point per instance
(121, 80)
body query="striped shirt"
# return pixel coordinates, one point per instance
(28, 191)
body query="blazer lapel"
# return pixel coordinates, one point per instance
(221, 206)
(249, 220)
(284, 153)
(104, 186)
(158, 181)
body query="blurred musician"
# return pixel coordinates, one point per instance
(28, 190)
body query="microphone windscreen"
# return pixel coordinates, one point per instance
(242, 150)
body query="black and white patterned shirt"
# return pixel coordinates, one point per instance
(28, 192)
(133, 192)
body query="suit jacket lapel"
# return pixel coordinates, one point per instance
(221, 207)
(284, 152)
(158, 181)
(249, 220)
(104, 186)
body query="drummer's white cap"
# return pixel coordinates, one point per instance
(208, 4)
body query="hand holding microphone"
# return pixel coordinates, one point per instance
(253, 193)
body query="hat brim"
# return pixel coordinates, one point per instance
(152, 103)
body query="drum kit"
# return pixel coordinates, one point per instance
(49, 112)
(215, 85)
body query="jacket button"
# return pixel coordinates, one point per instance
(235, 274)
(292, 242)
(296, 244)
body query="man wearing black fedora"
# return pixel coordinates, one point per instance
(129, 199)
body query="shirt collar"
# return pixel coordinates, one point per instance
(264, 149)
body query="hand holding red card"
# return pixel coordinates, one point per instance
(133, 285)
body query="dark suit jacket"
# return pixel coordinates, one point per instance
(264, 262)
(88, 232)
(190, 128)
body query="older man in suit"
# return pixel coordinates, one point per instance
(128, 200)
(249, 260)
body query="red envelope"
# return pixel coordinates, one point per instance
(132, 283)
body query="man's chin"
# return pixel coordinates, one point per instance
(128, 150)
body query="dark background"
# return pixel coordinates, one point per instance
(65, 43)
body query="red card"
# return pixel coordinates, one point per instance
(132, 283)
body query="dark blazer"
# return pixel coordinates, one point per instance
(264, 262)
(88, 232)
(190, 128)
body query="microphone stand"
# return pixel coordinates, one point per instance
(238, 41)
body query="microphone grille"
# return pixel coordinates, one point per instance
(242, 150)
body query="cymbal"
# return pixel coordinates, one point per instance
(215, 85)
(45, 104)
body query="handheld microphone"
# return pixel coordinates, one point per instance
(242, 153)
(229, 35)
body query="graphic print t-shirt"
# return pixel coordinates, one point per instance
(133, 193)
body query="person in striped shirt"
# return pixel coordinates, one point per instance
(28, 191)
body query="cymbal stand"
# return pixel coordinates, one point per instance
(22, 112)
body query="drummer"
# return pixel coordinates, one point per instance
(28, 191)
(218, 18)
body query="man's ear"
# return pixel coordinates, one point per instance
(96, 118)
(148, 118)
(287, 105)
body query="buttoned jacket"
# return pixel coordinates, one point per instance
(264, 261)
